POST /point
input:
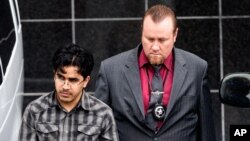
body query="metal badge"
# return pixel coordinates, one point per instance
(159, 112)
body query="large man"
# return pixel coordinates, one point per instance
(68, 113)
(172, 107)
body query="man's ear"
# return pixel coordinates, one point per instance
(86, 81)
(176, 33)
(54, 73)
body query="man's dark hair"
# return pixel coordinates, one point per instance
(73, 55)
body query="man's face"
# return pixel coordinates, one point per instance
(69, 86)
(158, 39)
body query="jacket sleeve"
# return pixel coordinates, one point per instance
(206, 130)
(101, 87)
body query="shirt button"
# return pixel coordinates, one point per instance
(155, 139)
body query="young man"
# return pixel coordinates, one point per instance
(68, 113)
(158, 92)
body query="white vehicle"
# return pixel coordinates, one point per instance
(11, 70)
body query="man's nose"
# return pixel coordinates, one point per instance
(66, 84)
(156, 46)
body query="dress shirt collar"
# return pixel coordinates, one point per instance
(167, 62)
(85, 104)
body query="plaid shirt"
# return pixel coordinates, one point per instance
(45, 120)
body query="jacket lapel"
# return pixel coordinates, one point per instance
(132, 72)
(180, 72)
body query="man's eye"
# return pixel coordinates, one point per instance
(73, 80)
(162, 40)
(60, 77)
(150, 39)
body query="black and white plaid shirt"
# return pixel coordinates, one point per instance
(45, 120)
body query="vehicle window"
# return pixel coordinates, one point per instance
(7, 34)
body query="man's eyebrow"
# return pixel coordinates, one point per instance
(69, 78)
(73, 78)
(59, 74)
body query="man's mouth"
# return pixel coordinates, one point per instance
(64, 94)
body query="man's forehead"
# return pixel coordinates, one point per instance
(69, 70)
(65, 69)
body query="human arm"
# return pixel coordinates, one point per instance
(101, 87)
(206, 122)
(27, 131)
(109, 129)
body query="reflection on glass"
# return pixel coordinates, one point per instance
(235, 90)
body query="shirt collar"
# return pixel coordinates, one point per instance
(86, 101)
(55, 102)
(167, 62)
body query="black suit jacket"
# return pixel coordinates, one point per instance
(188, 117)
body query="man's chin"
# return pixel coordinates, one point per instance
(156, 62)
